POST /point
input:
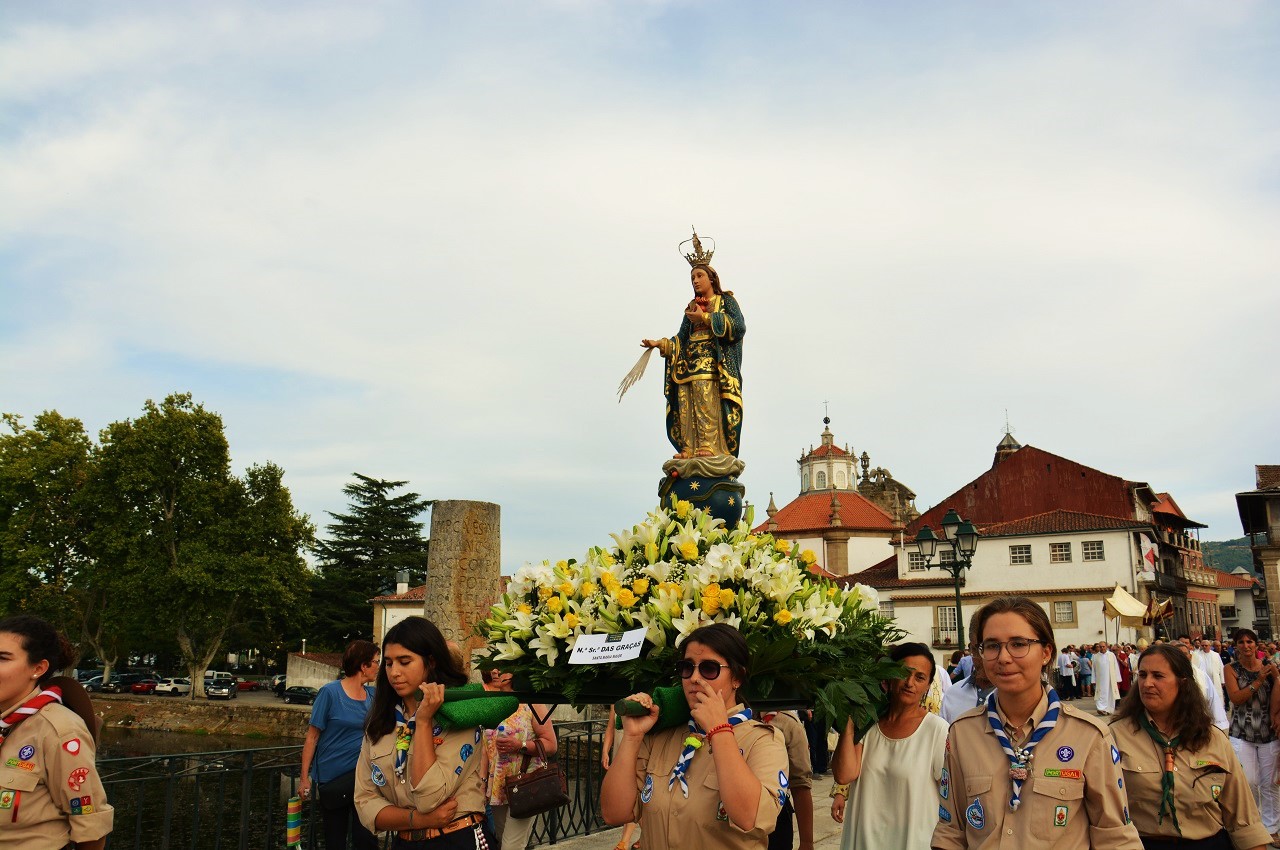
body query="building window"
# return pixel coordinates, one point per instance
(1064, 612)
(915, 562)
(822, 480)
(946, 556)
(839, 478)
(1059, 553)
(1020, 554)
(944, 634)
(1091, 550)
(804, 484)
(886, 609)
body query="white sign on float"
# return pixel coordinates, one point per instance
(608, 649)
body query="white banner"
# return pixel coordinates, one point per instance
(608, 649)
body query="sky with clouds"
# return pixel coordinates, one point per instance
(422, 240)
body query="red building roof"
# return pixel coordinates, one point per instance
(413, 594)
(823, 451)
(884, 575)
(1234, 580)
(812, 512)
(1267, 476)
(1032, 481)
(1059, 522)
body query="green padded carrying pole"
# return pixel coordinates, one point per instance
(673, 708)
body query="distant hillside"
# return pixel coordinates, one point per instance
(1226, 555)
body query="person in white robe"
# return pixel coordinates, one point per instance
(1106, 679)
(1211, 662)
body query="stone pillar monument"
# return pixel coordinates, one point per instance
(463, 566)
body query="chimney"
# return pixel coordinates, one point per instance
(402, 582)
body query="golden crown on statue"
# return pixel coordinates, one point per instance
(698, 256)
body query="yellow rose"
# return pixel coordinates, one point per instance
(711, 605)
(683, 508)
(555, 604)
(562, 565)
(689, 550)
(782, 617)
(545, 592)
(783, 546)
(726, 598)
(609, 580)
(808, 558)
(524, 608)
(626, 598)
(831, 592)
(566, 588)
(588, 589)
(571, 620)
(640, 586)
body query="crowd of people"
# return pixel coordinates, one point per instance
(989, 752)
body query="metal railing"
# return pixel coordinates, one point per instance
(237, 798)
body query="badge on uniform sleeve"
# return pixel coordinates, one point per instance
(466, 751)
(1059, 815)
(944, 816)
(1115, 755)
(976, 817)
(72, 746)
(377, 776)
(944, 784)
(26, 752)
(1217, 789)
(722, 814)
(6, 799)
(457, 771)
(77, 778)
(646, 794)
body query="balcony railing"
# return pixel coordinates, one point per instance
(944, 638)
(237, 798)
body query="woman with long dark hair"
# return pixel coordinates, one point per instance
(50, 792)
(414, 777)
(681, 794)
(1185, 785)
(1030, 771)
(1255, 701)
(893, 772)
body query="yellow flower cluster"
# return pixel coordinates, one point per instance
(715, 598)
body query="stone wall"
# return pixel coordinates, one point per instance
(199, 716)
(313, 670)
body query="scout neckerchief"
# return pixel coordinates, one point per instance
(1166, 781)
(404, 734)
(1020, 757)
(7, 723)
(691, 745)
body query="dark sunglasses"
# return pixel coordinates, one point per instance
(706, 669)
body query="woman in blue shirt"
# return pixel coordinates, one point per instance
(332, 747)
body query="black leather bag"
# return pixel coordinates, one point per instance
(532, 793)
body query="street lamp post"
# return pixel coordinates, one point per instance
(960, 536)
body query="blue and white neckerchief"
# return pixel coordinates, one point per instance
(404, 734)
(1020, 757)
(691, 745)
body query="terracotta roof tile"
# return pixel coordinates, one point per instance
(812, 512)
(1233, 580)
(1059, 522)
(413, 594)
(823, 451)
(884, 575)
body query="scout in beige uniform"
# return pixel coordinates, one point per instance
(800, 779)
(414, 778)
(1163, 723)
(1042, 774)
(718, 785)
(50, 792)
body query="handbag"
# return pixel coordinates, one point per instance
(531, 793)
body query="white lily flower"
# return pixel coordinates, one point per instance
(545, 646)
(509, 650)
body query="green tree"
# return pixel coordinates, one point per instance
(380, 535)
(205, 550)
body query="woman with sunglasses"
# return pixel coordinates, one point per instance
(413, 777)
(1185, 785)
(1027, 770)
(717, 783)
(893, 771)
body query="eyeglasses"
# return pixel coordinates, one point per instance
(706, 669)
(1018, 648)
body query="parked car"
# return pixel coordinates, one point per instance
(144, 686)
(300, 693)
(173, 687)
(247, 684)
(121, 683)
(93, 684)
(224, 688)
(278, 684)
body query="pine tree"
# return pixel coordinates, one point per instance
(363, 550)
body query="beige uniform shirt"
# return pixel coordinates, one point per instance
(668, 819)
(456, 774)
(1209, 788)
(1071, 799)
(799, 768)
(50, 792)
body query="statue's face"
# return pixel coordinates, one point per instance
(701, 283)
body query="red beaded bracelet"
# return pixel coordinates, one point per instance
(723, 727)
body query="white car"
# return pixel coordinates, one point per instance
(173, 687)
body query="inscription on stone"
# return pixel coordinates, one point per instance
(463, 566)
